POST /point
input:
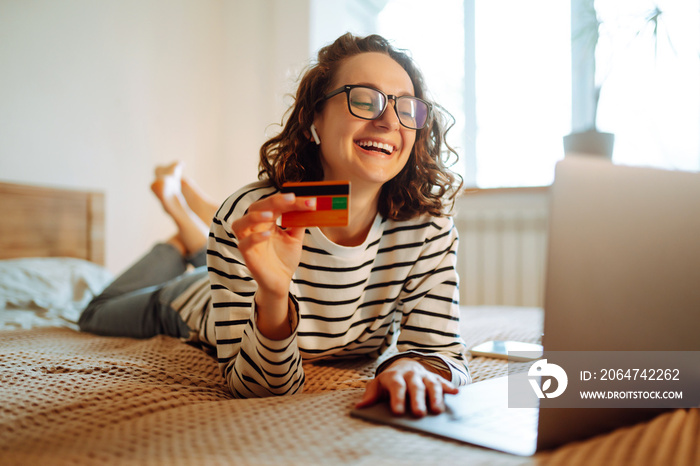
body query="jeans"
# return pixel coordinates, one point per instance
(138, 303)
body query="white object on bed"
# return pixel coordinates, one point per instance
(47, 291)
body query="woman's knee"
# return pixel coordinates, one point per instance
(87, 317)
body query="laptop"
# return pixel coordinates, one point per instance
(623, 274)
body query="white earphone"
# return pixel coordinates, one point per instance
(314, 134)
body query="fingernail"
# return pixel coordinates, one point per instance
(266, 214)
(310, 202)
(289, 197)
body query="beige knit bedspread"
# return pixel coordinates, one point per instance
(72, 398)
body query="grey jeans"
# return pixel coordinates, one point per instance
(138, 303)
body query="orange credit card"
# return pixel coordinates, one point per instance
(332, 204)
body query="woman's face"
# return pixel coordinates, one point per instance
(346, 147)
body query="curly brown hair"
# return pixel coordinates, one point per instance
(424, 186)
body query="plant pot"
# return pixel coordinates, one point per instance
(590, 143)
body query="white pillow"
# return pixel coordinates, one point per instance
(63, 286)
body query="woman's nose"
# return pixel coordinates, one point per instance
(389, 119)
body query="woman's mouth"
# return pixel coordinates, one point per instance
(383, 148)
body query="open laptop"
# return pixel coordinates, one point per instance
(623, 274)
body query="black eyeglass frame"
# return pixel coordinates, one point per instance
(387, 97)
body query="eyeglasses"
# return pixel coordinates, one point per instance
(369, 104)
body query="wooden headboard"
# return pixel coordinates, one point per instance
(38, 221)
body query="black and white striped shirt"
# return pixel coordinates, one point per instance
(398, 287)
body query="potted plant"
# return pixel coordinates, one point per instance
(591, 141)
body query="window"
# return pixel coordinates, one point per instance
(503, 69)
(506, 78)
(522, 90)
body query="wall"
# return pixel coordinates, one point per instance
(266, 47)
(94, 94)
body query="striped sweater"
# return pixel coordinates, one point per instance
(398, 288)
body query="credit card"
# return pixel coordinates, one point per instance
(332, 204)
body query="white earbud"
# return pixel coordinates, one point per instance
(314, 134)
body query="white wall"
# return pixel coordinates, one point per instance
(94, 94)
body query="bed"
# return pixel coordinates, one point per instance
(74, 398)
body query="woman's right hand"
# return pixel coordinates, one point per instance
(272, 255)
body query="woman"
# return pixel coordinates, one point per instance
(280, 296)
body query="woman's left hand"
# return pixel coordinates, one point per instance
(407, 378)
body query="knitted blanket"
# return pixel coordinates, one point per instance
(74, 398)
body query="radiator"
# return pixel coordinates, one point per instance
(502, 248)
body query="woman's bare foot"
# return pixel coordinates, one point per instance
(192, 231)
(200, 203)
(172, 169)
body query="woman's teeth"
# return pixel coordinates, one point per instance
(374, 145)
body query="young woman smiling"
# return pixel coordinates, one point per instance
(361, 115)
(269, 297)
